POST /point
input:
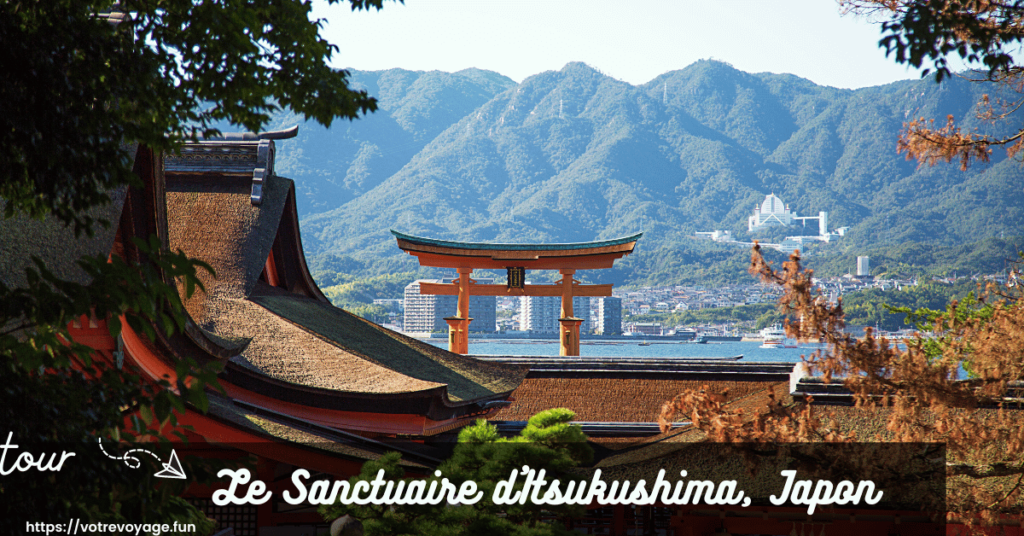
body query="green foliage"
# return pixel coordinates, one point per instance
(910, 260)
(53, 390)
(717, 315)
(891, 310)
(374, 313)
(36, 316)
(331, 270)
(88, 88)
(957, 312)
(361, 292)
(547, 442)
(768, 318)
(339, 164)
(933, 30)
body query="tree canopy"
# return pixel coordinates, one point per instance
(984, 34)
(549, 442)
(85, 78)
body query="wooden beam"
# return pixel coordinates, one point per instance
(452, 289)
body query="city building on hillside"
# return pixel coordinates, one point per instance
(716, 235)
(772, 212)
(425, 313)
(793, 243)
(863, 266)
(393, 303)
(609, 316)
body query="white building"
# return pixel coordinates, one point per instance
(609, 316)
(863, 266)
(424, 313)
(540, 314)
(716, 235)
(772, 212)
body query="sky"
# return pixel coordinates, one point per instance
(630, 40)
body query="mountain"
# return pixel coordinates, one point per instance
(575, 155)
(339, 164)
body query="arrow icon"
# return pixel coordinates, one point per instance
(172, 469)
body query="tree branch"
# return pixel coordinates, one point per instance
(984, 471)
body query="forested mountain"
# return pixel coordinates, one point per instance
(576, 155)
(334, 166)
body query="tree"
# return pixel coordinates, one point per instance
(547, 442)
(915, 394)
(982, 33)
(85, 83)
(152, 73)
(896, 309)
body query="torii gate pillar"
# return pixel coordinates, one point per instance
(569, 325)
(458, 325)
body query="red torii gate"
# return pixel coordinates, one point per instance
(516, 259)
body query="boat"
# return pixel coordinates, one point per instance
(645, 343)
(775, 337)
(716, 335)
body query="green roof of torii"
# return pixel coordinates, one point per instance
(515, 247)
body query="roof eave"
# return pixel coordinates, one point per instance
(415, 240)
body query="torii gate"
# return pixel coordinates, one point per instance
(516, 259)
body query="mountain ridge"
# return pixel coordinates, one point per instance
(574, 155)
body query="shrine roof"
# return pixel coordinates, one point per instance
(613, 399)
(23, 237)
(516, 247)
(302, 340)
(266, 423)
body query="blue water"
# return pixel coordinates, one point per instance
(750, 351)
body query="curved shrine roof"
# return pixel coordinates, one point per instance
(297, 339)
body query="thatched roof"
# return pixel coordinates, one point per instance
(212, 219)
(295, 338)
(22, 238)
(610, 399)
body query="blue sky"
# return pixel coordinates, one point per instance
(631, 40)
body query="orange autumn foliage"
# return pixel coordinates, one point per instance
(912, 393)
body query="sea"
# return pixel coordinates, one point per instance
(751, 351)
